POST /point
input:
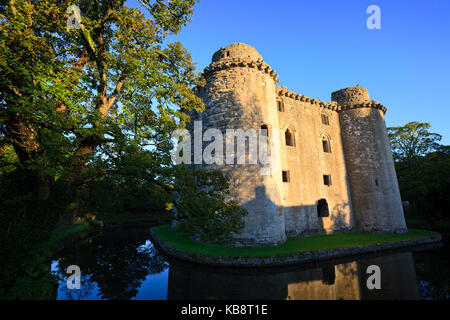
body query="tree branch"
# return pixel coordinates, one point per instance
(105, 108)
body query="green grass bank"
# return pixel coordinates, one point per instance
(291, 246)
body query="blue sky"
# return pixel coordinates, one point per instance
(317, 47)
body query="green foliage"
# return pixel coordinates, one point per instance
(8, 160)
(74, 101)
(412, 140)
(25, 222)
(424, 181)
(423, 169)
(86, 117)
(203, 210)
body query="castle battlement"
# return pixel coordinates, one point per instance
(333, 105)
(285, 92)
(228, 63)
(332, 169)
(371, 104)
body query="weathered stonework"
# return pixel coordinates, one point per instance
(362, 192)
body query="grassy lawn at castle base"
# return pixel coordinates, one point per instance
(291, 246)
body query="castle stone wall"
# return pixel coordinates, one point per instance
(374, 188)
(241, 93)
(239, 96)
(307, 163)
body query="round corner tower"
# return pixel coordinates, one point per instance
(373, 182)
(240, 94)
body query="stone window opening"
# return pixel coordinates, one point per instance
(326, 145)
(327, 180)
(280, 105)
(325, 120)
(265, 130)
(322, 208)
(329, 275)
(376, 182)
(286, 176)
(228, 53)
(289, 137)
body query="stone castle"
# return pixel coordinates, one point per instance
(333, 170)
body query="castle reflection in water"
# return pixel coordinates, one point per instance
(346, 280)
(126, 265)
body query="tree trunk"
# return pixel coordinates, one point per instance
(43, 186)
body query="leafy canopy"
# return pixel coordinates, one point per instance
(86, 114)
(423, 169)
(412, 140)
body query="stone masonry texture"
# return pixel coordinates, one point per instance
(344, 139)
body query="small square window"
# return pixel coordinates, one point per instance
(327, 179)
(286, 177)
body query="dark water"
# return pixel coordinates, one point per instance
(123, 264)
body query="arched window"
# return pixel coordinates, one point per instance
(322, 208)
(280, 105)
(289, 136)
(265, 130)
(326, 145)
(264, 140)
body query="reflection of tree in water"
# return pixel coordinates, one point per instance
(117, 264)
(433, 280)
(76, 294)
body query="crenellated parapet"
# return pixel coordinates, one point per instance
(333, 105)
(330, 168)
(229, 63)
(355, 97)
(285, 92)
(371, 104)
(374, 189)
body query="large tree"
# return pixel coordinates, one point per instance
(90, 93)
(412, 140)
(422, 166)
(107, 85)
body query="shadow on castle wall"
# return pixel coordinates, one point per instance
(298, 220)
(269, 220)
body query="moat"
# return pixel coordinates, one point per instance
(124, 264)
